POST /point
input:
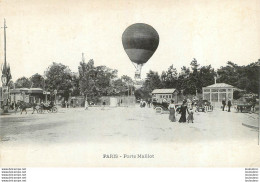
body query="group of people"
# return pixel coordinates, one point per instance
(183, 110)
(144, 103)
(229, 104)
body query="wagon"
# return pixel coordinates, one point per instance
(204, 106)
(244, 107)
(163, 107)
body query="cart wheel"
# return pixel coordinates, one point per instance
(158, 110)
(54, 109)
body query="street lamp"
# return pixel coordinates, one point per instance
(44, 89)
(55, 93)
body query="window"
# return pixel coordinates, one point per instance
(160, 96)
(222, 96)
(214, 90)
(222, 90)
(170, 96)
(166, 96)
(206, 90)
(214, 97)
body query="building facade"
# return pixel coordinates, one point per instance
(32, 95)
(159, 95)
(217, 92)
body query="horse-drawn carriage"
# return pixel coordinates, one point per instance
(163, 107)
(49, 108)
(244, 107)
(203, 106)
(39, 108)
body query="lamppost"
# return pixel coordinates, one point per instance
(258, 65)
(44, 89)
(55, 93)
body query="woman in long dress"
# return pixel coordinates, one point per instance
(183, 110)
(172, 109)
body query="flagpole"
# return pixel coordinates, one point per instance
(5, 40)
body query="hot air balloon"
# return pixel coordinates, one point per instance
(140, 41)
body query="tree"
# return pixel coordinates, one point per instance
(129, 83)
(103, 78)
(119, 87)
(59, 77)
(243, 77)
(169, 78)
(237, 94)
(86, 75)
(194, 65)
(206, 77)
(194, 81)
(11, 84)
(228, 74)
(37, 81)
(23, 82)
(152, 81)
(183, 81)
(75, 84)
(95, 82)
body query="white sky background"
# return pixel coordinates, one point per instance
(44, 31)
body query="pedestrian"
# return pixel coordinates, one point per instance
(172, 115)
(223, 104)
(192, 103)
(86, 104)
(141, 103)
(206, 107)
(183, 110)
(190, 116)
(229, 105)
(103, 105)
(149, 103)
(144, 103)
(253, 104)
(196, 106)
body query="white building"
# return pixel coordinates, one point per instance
(168, 94)
(217, 92)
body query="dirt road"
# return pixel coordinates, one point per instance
(81, 138)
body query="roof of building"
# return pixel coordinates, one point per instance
(26, 90)
(220, 85)
(164, 91)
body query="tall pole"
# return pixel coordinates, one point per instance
(5, 70)
(5, 41)
(83, 58)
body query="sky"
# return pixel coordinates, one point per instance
(44, 31)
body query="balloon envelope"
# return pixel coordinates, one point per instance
(140, 41)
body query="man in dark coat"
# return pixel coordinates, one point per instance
(229, 105)
(223, 104)
(183, 110)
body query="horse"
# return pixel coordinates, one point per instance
(23, 106)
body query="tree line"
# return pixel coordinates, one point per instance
(96, 81)
(191, 79)
(90, 80)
